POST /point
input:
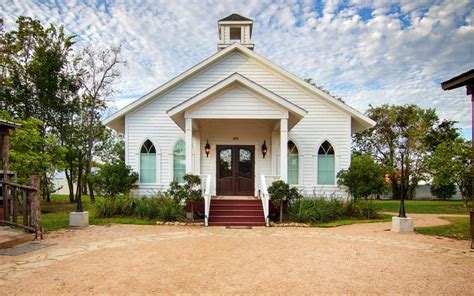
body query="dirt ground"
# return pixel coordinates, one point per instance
(132, 259)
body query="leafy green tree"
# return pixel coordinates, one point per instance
(364, 177)
(36, 81)
(451, 163)
(26, 155)
(444, 191)
(408, 124)
(280, 191)
(189, 192)
(110, 147)
(115, 178)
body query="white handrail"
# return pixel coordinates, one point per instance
(206, 192)
(265, 197)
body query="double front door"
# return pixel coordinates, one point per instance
(235, 170)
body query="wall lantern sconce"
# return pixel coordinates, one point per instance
(207, 148)
(264, 149)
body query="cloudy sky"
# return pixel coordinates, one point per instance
(367, 52)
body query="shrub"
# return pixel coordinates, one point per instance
(161, 206)
(114, 178)
(189, 192)
(364, 177)
(443, 191)
(148, 207)
(171, 210)
(115, 206)
(363, 209)
(279, 192)
(302, 211)
(321, 210)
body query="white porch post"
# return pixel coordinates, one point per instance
(189, 145)
(284, 149)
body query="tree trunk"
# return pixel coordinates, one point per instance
(192, 211)
(70, 185)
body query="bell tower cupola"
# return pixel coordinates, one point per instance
(235, 29)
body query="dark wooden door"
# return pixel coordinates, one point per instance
(235, 170)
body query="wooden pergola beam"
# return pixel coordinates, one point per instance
(466, 79)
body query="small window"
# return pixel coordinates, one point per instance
(326, 170)
(292, 163)
(179, 161)
(148, 163)
(235, 33)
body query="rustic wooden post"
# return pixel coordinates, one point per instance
(6, 206)
(35, 206)
(14, 204)
(24, 205)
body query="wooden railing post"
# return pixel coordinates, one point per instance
(35, 206)
(24, 206)
(6, 206)
(14, 204)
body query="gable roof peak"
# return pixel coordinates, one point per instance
(234, 17)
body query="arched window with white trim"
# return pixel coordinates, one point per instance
(293, 163)
(148, 163)
(326, 164)
(179, 161)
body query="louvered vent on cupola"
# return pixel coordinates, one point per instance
(235, 29)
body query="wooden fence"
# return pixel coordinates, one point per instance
(21, 207)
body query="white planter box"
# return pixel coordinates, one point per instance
(78, 219)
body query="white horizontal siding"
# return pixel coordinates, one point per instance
(323, 122)
(236, 103)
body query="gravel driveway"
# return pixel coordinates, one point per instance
(124, 259)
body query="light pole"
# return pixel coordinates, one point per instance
(401, 212)
(79, 182)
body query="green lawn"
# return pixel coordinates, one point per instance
(55, 215)
(458, 229)
(424, 206)
(385, 218)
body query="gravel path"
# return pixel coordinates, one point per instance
(124, 259)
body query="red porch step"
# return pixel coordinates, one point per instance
(236, 212)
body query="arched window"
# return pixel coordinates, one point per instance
(292, 163)
(326, 174)
(179, 161)
(148, 163)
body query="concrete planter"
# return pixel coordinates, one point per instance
(78, 219)
(402, 225)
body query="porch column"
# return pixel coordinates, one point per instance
(284, 149)
(189, 145)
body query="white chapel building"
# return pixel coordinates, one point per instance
(238, 118)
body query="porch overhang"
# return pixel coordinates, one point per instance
(284, 109)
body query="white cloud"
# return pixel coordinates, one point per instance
(398, 55)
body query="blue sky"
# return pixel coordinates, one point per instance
(367, 52)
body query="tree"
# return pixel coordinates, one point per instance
(189, 192)
(115, 178)
(451, 163)
(35, 81)
(280, 192)
(99, 69)
(364, 177)
(408, 124)
(443, 191)
(26, 157)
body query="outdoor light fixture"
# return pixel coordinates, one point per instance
(207, 148)
(264, 149)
